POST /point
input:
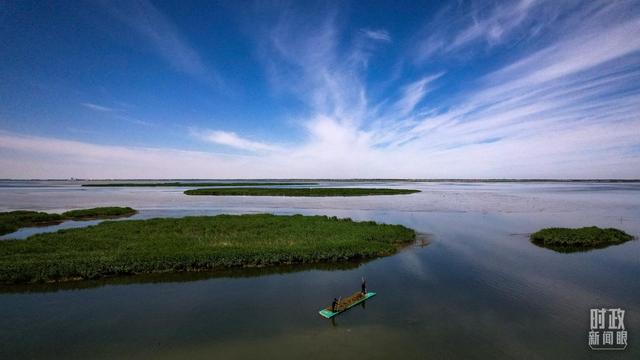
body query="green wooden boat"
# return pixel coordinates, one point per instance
(349, 304)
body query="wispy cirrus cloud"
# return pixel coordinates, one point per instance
(115, 113)
(232, 140)
(548, 112)
(495, 26)
(459, 26)
(302, 58)
(412, 94)
(96, 107)
(380, 34)
(159, 32)
(568, 56)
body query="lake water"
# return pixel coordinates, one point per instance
(478, 290)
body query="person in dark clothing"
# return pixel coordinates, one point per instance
(334, 304)
(364, 286)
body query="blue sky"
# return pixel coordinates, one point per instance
(301, 89)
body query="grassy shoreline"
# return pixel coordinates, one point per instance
(196, 184)
(307, 192)
(580, 239)
(15, 220)
(197, 243)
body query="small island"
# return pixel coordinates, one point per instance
(196, 243)
(14, 220)
(581, 239)
(308, 192)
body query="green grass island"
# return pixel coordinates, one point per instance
(580, 239)
(195, 184)
(129, 247)
(307, 192)
(14, 220)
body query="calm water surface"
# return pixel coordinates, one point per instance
(479, 290)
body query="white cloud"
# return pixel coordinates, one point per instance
(116, 113)
(231, 139)
(502, 19)
(412, 94)
(98, 107)
(380, 35)
(302, 59)
(588, 49)
(134, 120)
(459, 26)
(42, 157)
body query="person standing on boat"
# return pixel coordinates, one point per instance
(364, 286)
(334, 304)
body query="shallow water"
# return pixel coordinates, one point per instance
(480, 289)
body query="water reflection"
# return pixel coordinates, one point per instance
(177, 277)
(570, 248)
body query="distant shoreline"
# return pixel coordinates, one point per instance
(350, 180)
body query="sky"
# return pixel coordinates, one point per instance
(330, 89)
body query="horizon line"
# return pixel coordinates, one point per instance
(341, 179)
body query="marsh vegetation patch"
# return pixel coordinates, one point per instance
(14, 220)
(580, 239)
(194, 243)
(308, 192)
